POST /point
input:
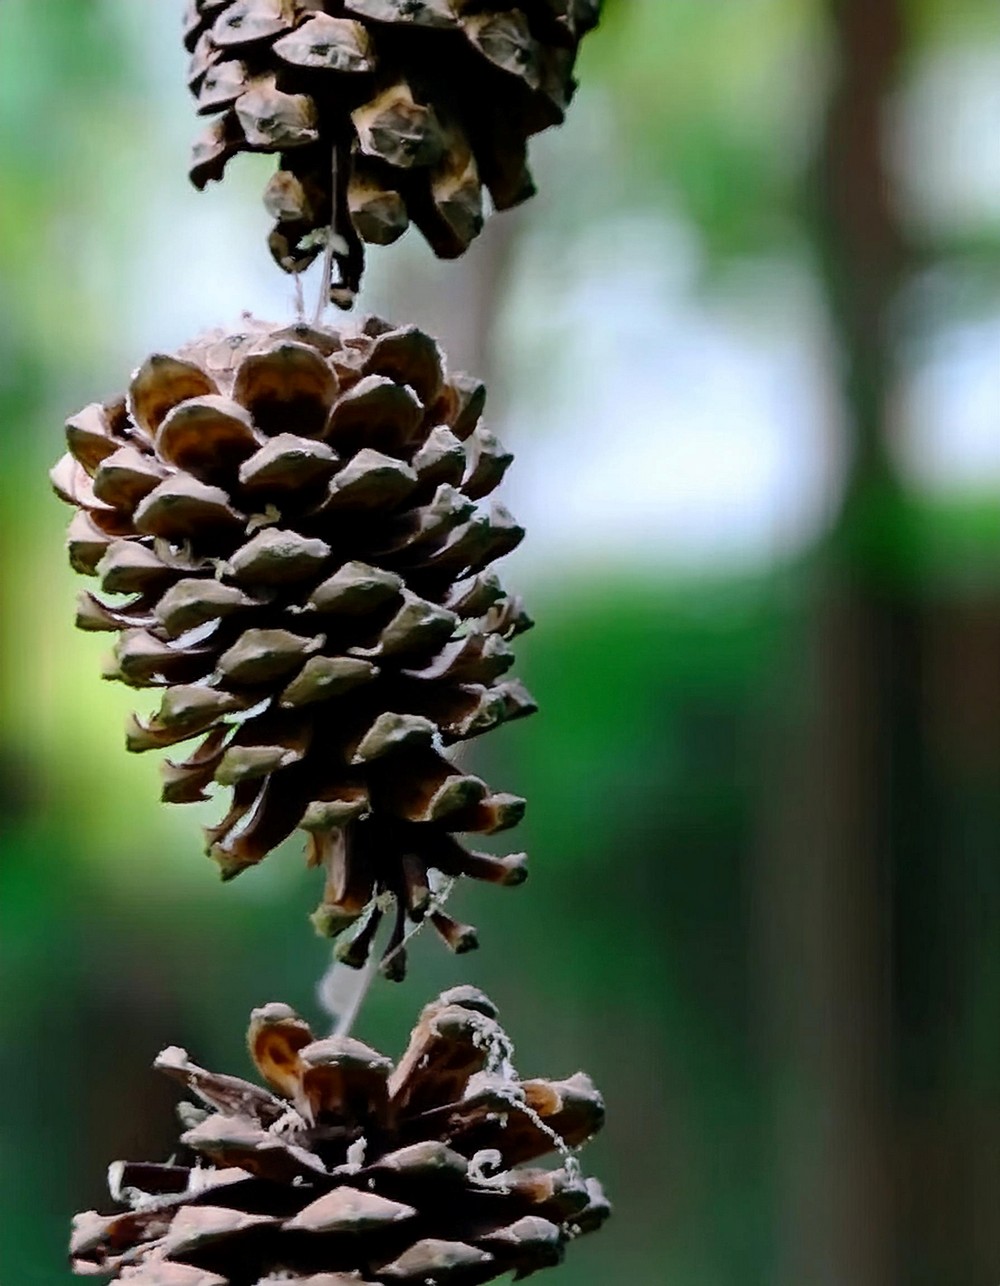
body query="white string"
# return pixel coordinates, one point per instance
(331, 244)
(436, 903)
(364, 980)
(332, 984)
(500, 1064)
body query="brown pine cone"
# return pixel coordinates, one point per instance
(381, 111)
(355, 1171)
(290, 518)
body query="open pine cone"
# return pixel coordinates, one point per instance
(291, 519)
(415, 105)
(357, 1172)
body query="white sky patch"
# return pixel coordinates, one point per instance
(947, 140)
(951, 407)
(676, 432)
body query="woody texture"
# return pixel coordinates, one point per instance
(350, 1170)
(382, 113)
(287, 529)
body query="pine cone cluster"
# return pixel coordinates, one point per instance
(288, 522)
(382, 112)
(354, 1171)
(287, 530)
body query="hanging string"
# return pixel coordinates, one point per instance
(343, 990)
(363, 982)
(436, 903)
(344, 256)
(332, 238)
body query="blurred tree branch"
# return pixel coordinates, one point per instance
(830, 970)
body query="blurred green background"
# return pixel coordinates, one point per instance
(746, 344)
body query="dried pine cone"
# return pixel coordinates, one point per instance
(382, 111)
(291, 518)
(357, 1171)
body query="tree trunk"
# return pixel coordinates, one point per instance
(849, 753)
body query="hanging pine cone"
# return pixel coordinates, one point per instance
(382, 112)
(357, 1171)
(291, 519)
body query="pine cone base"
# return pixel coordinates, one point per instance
(355, 1171)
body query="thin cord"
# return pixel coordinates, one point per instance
(348, 1018)
(500, 1064)
(436, 904)
(324, 285)
(344, 1020)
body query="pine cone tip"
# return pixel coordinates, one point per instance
(382, 113)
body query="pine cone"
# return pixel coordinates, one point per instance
(356, 1171)
(382, 112)
(291, 516)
